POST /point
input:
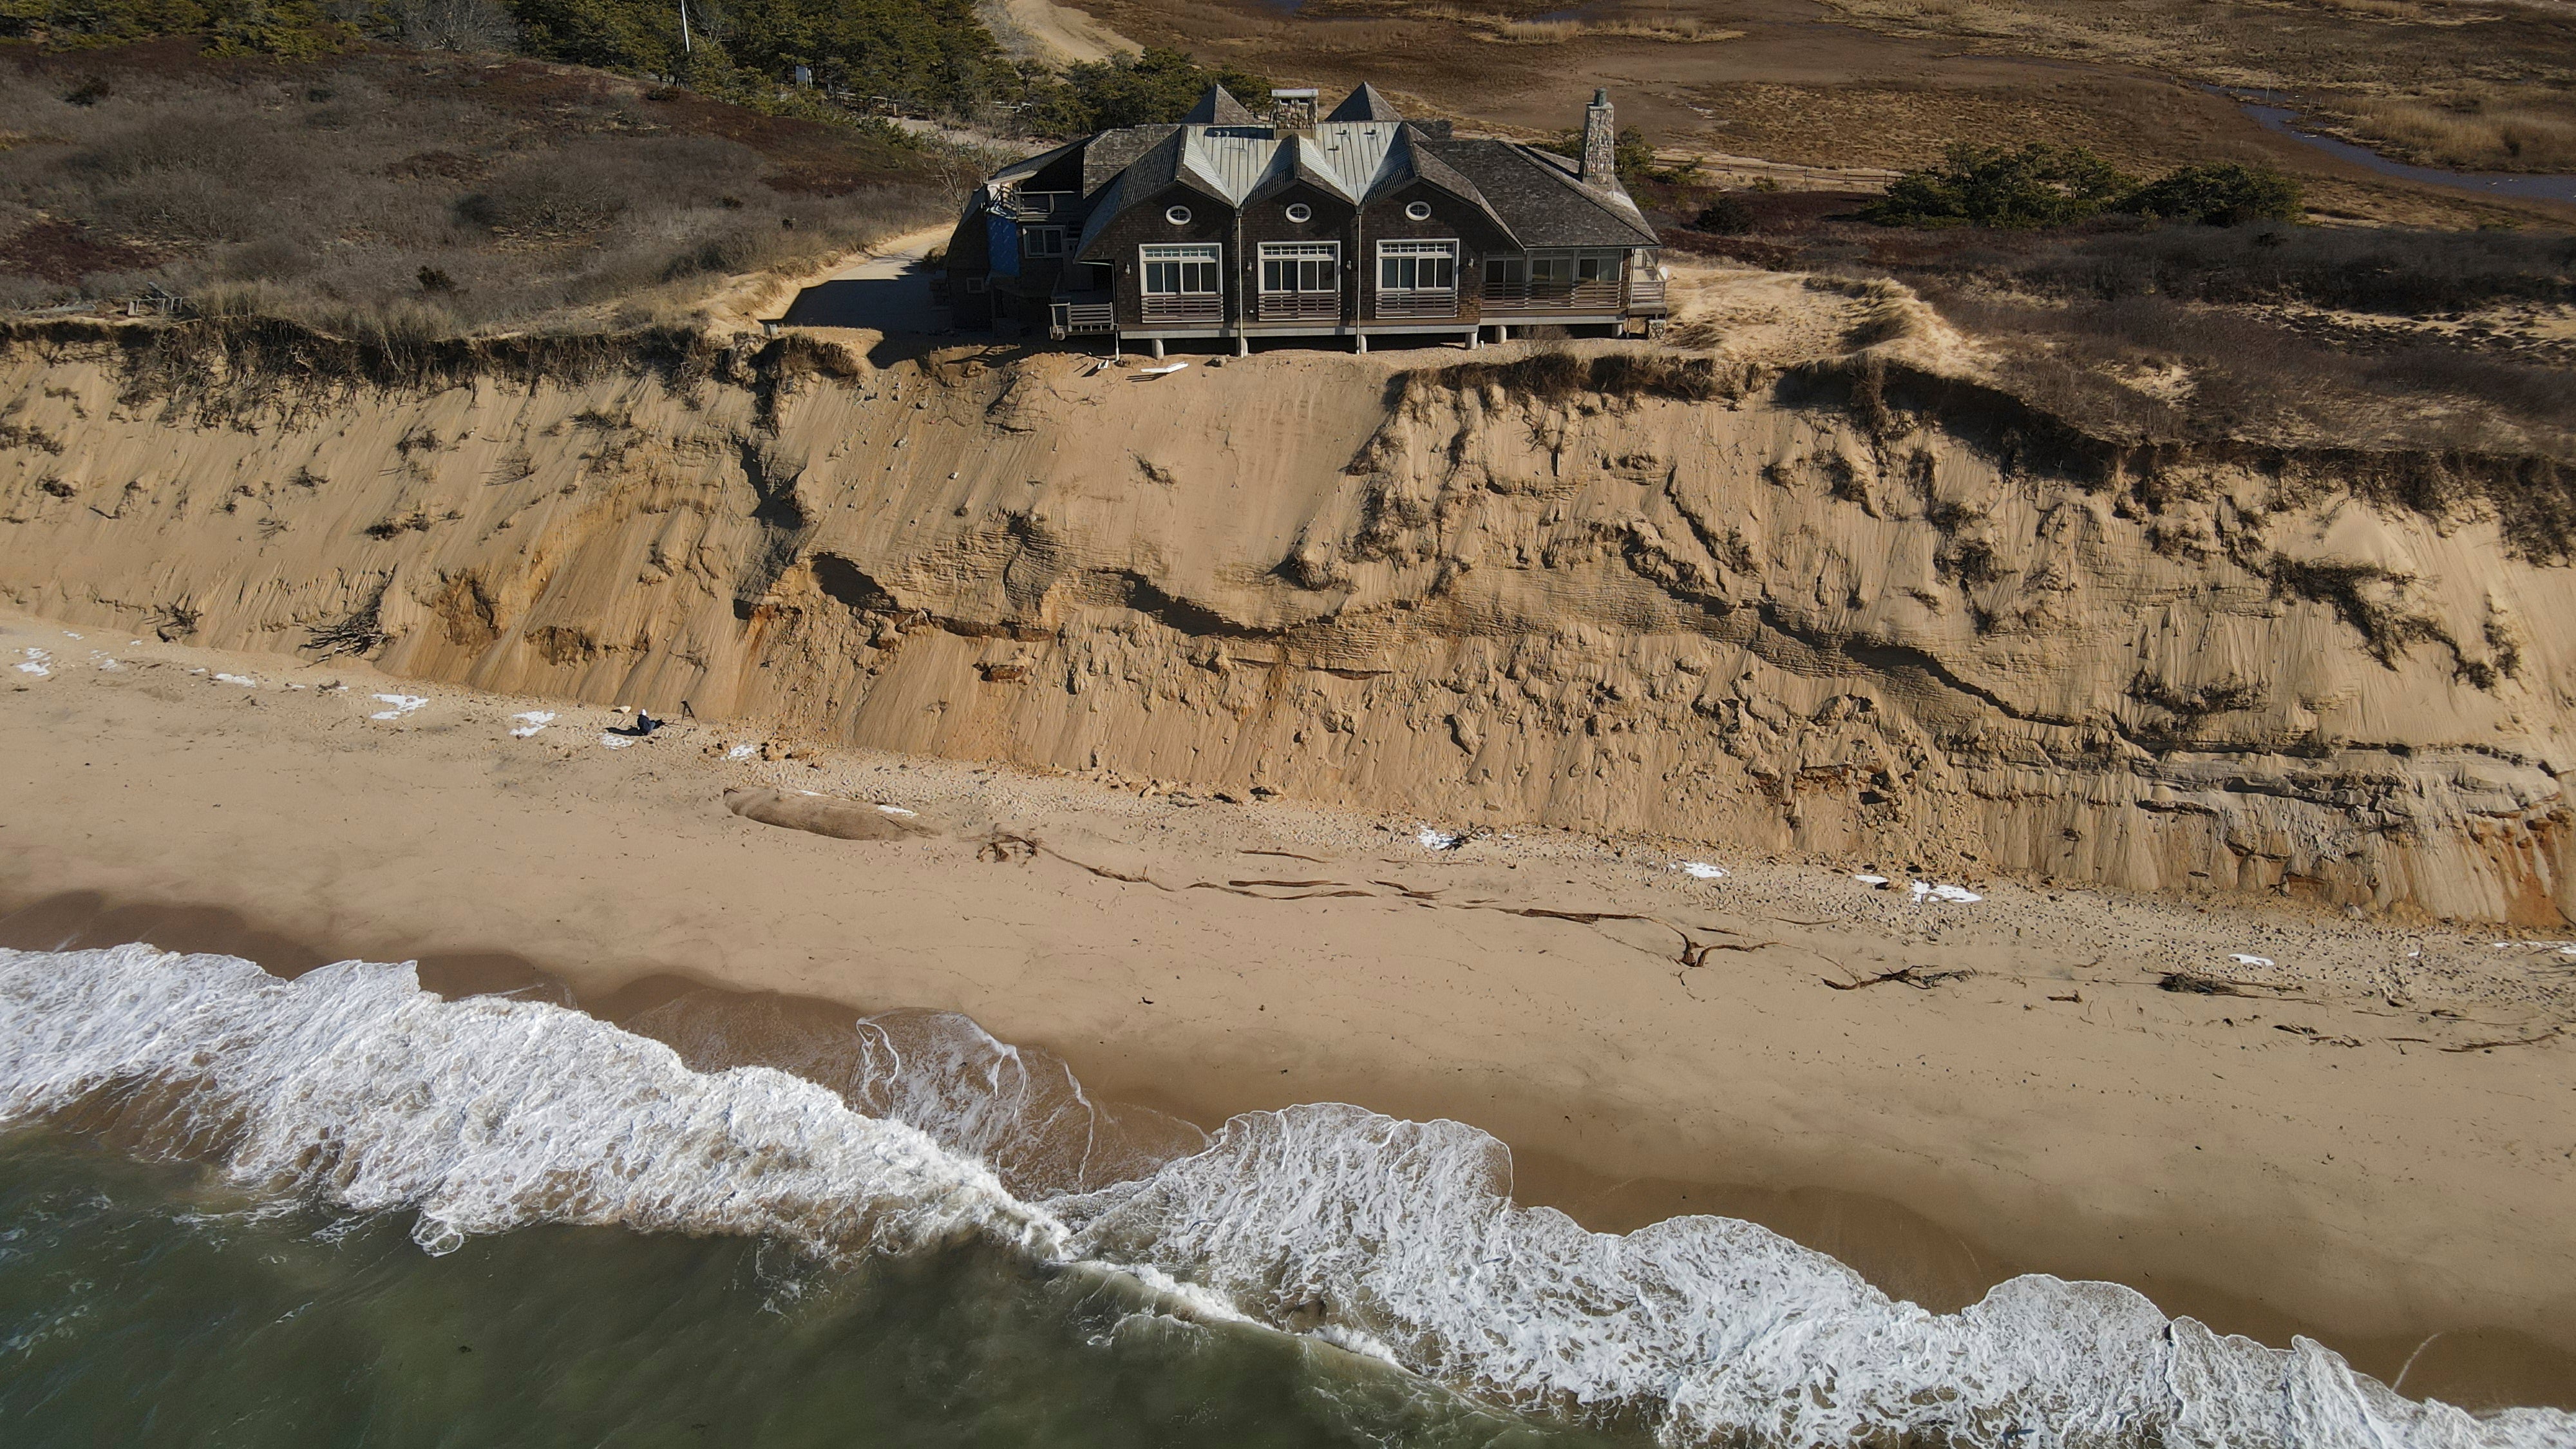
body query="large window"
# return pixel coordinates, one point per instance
(1185, 271)
(1046, 241)
(1417, 266)
(1301, 266)
(1417, 279)
(1561, 283)
(1301, 280)
(1182, 283)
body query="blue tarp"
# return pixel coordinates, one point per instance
(1002, 244)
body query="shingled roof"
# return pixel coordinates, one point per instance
(1365, 148)
(1218, 107)
(1368, 103)
(1542, 195)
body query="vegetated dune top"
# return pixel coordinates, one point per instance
(408, 195)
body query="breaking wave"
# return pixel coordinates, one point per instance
(353, 1085)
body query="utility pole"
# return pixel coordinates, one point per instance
(685, 47)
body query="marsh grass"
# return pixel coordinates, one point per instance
(2399, 65)
(1682, 30)
(2470, 131)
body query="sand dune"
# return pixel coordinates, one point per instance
(1848, 605)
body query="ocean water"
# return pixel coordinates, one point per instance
(341, 1209)
(150, 1303)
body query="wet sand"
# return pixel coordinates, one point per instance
(2330, 1136)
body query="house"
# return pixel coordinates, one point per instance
(1364, 224)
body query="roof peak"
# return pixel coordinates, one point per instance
(1218, 107)
(1368, 103)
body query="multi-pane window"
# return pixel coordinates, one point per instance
(1180, 271)
(1046, 241)
(1417, 266)
(1300, 266)
(1552, 269)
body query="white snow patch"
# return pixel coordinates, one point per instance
(614, 741)
(1961, 895)
(531, 721)
(742, 752)
(402, 704)
(1871, 880)
(894, 810)
(1433, 838)
(2241, 959)
(1701, 870)
(245, 681)
(37, 663)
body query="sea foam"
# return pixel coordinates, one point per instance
(353, 1085)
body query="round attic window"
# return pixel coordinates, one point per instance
(1300, 211)
(1418, 210)
(1178, 216)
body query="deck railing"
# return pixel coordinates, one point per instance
(1184, 307)
(1301, 307)
(1037, 205)
(1076, 319)
(1645, 293)
(1417, 304)
(1595, 296)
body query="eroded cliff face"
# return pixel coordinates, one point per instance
(1852, 609)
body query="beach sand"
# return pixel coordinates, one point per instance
(2362, 1132)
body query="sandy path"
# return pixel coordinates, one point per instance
(885, 291)
(1059, 34)
(2312, 1147)
(764, 297)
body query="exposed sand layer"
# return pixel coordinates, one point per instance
(2274, 1118)
(1843, 605)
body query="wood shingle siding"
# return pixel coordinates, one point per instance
(1361, 222)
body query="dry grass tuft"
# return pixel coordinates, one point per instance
(1557, 377)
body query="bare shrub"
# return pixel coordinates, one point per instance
(545, 198)
(474, 27)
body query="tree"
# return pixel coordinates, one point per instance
(1134, 90)
(473, 27)
(2036, 185)
(2227, 194)
(1724, 216)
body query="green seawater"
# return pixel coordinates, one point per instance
(149, 1303)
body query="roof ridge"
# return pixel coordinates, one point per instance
(1218, 107)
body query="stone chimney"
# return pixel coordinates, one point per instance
(1600, 143)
